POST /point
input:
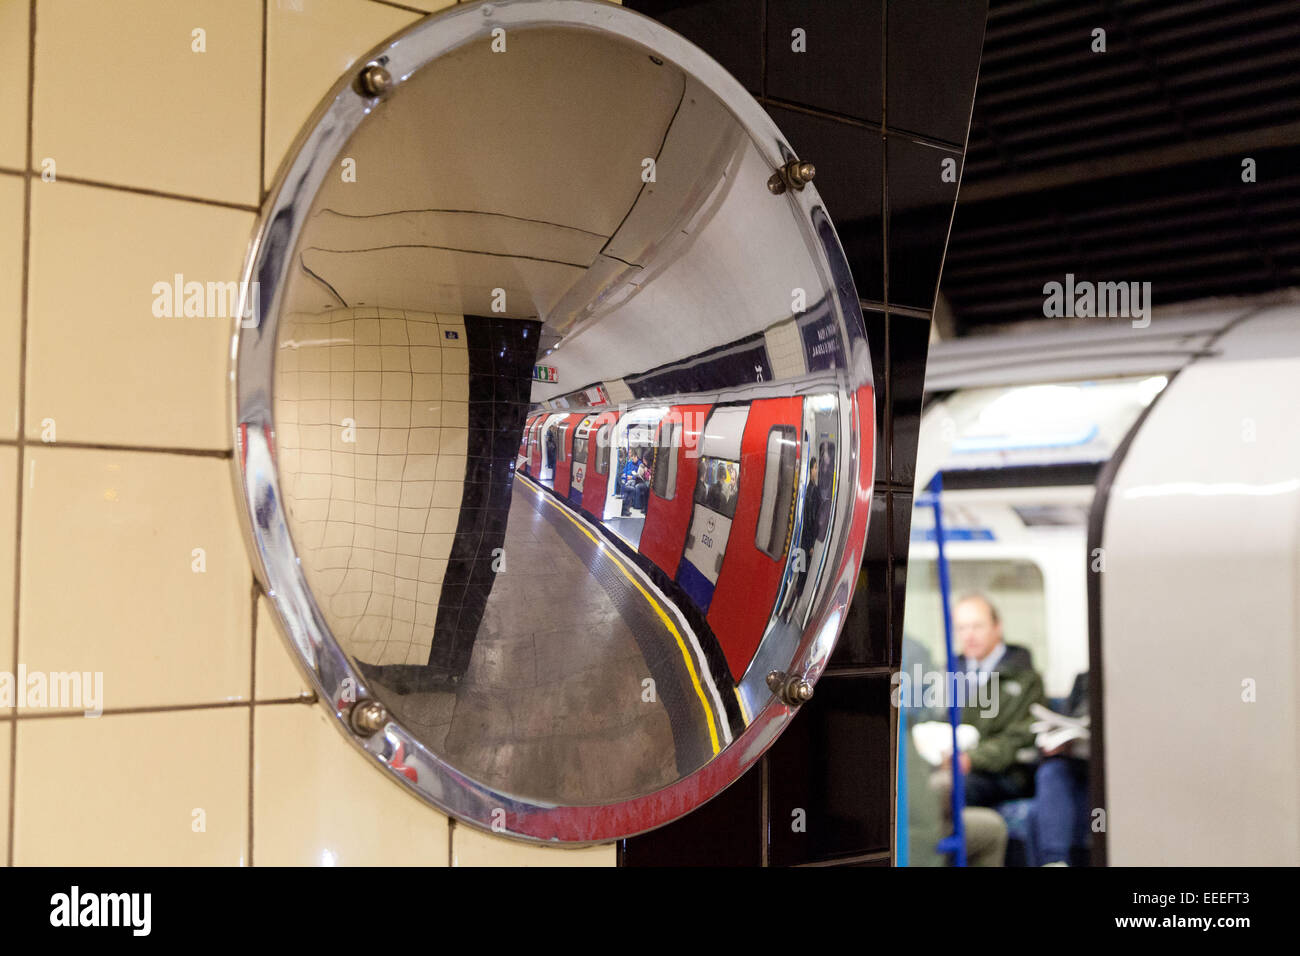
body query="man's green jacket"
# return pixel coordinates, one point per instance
(1004, 724)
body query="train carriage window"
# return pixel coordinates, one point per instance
(717, 485)
(775, 513)
(561, 455)
(665, 469)
(580, 449)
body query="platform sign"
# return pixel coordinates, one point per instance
(545, 373)
(823, 347)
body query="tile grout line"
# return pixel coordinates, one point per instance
(155, 709)
(11, 823)
(888, 397)
(158, 193)
(261, 132)
(845, 119)
(401, 6)
(144, 449)
(254, 591)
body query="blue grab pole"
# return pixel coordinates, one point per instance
(902, 854)
(957, 843)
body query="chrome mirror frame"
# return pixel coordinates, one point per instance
(790, 671)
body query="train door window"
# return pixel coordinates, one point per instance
(1015, 585)
(580, 448)
(602, 450)
(775, 512)
(563, 443)
(717, 485)
(665, 472)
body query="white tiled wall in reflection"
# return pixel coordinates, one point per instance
(371, 406)
(210, 749)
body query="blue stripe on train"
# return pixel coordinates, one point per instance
(696, 585)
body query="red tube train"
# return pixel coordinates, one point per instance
(705, 492)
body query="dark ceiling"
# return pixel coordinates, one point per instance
(1127, 165)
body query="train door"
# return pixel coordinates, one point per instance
(535, 446)
(581, 448)
(713, 507)
(627, 481)
(600, 457)
(564, 454)
(549, 439)
(758, 542)
(525, 446)
(668, 511)
(633, 436)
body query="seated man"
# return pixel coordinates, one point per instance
(994, 769)
(625, 482)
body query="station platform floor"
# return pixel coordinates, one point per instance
(571, 633)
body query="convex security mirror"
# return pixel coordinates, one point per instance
(555, 427)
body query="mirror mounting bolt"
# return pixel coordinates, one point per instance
(791, 688)
(793, 175)
(368, 717)
(374, 80)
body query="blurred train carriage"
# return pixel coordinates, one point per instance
(1129, 500)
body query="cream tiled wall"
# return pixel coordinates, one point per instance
(127, 158)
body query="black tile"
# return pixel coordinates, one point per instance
(877, 342)
(899, 544)
(831, 770)
(840, 68)
(922, 190)
(909, 344)
(865, 640)
(932, 50)
(730, 31)
(726, 831)
(850, 176)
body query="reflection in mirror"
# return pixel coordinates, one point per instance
(564, 447)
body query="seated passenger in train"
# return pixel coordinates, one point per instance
(1001, 765)
(929, 803)
(1061, 784)
(635, 484)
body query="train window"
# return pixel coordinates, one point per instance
(602, 450)
(1014, 584)
(580, 449)
(775, 512)
(564, 442)
(717, 485)
(665, 471)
